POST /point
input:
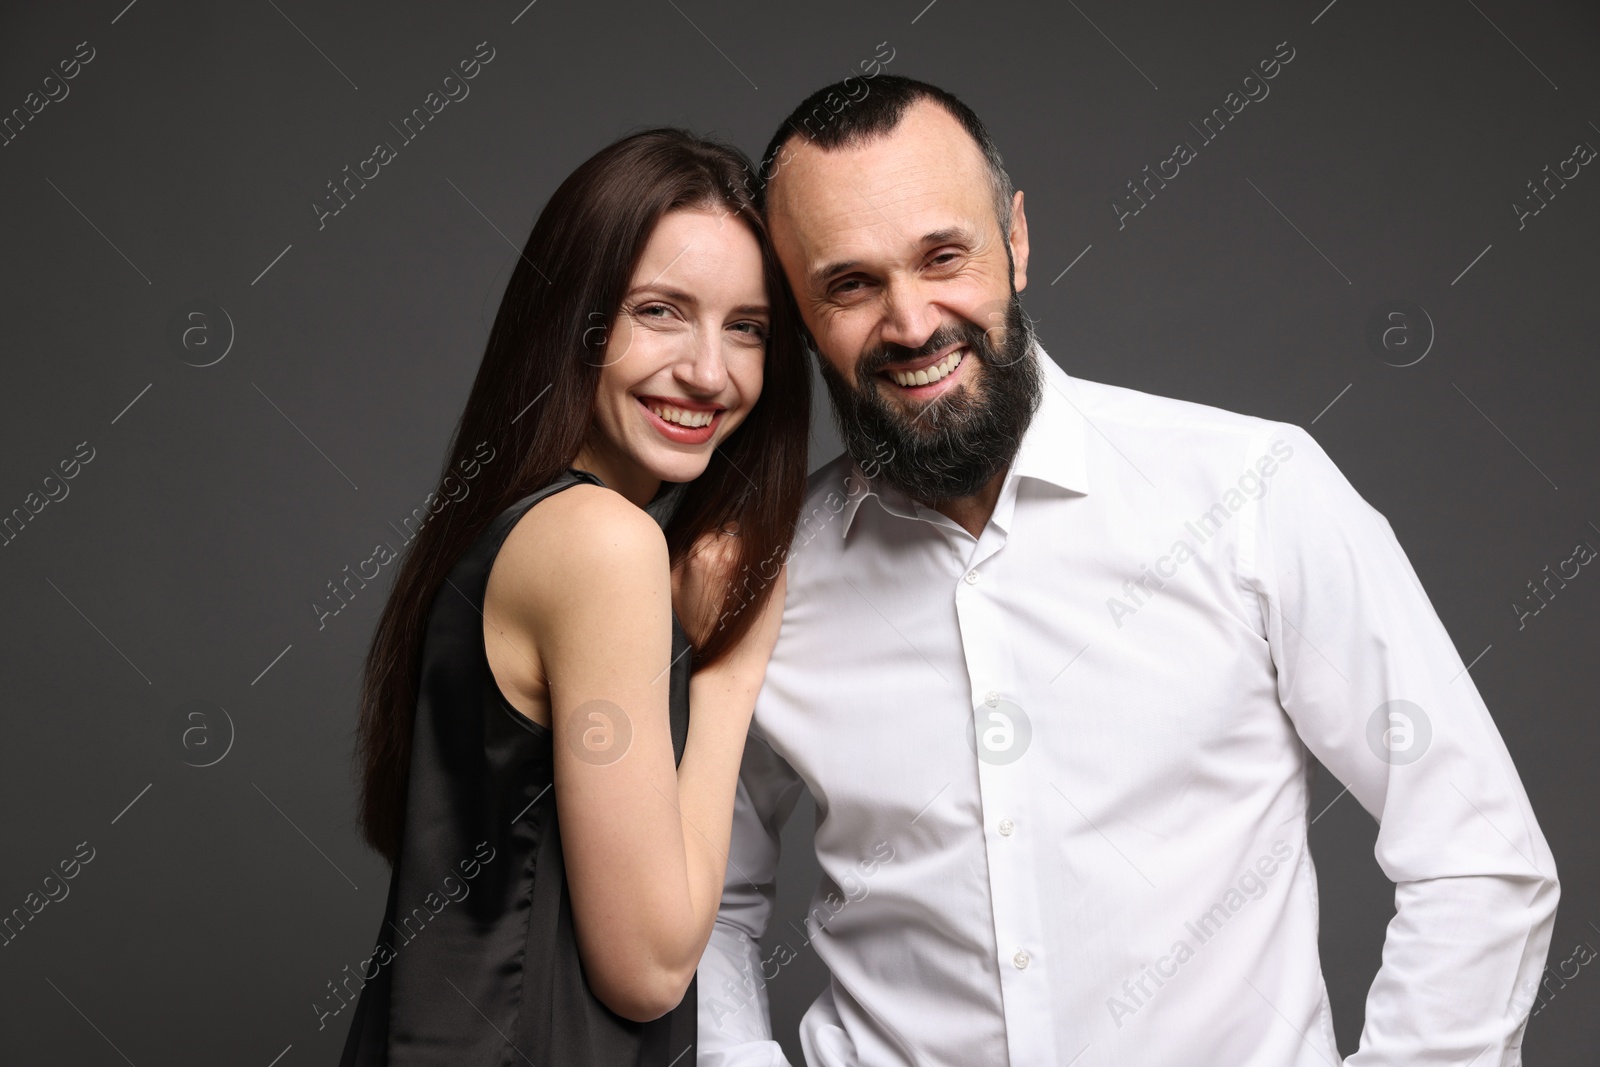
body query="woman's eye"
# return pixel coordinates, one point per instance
(649, 311)
(754, 329)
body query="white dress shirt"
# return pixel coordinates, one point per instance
(1060, 769)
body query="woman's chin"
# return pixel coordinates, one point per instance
(676, 466)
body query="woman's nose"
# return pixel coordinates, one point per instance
(702, 369)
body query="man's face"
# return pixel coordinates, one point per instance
(908, 288)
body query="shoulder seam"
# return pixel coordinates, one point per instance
(1250, 579)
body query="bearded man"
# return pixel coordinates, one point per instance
(1054, 659)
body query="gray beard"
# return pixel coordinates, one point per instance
(959, 440)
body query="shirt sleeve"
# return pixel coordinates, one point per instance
(735, 1024)
(1376, 690)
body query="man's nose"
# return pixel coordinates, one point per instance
(910, 317)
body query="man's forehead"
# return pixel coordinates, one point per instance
(925, 166)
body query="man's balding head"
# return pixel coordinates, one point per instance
(856, 110)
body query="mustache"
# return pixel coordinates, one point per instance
(964, 333)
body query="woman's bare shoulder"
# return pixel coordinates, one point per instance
(583, 541)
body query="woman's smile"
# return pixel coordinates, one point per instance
(686, 422)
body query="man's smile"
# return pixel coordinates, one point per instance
(927, 376)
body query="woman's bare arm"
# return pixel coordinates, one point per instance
(587, 595)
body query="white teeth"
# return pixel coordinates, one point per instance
(681, 416)
(928, 374)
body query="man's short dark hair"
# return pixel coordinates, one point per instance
(839, 115)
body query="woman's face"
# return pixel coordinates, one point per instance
(683, 358)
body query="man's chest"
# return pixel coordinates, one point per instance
(1038, 665)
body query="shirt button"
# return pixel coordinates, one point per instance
(1021, 959)
(972, 577)
(1006, 827)
(991, 698)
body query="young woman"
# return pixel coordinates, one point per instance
(557, 821)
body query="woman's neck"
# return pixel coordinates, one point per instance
(619, 473)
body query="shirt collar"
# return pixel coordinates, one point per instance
(1054, 448)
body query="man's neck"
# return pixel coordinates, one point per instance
(972, 513)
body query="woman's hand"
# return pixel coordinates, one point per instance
(708, 597)
(702, 580)
(748, 660)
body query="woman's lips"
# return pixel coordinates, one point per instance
(675, 431)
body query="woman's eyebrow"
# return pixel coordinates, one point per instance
(684, 297)
(667, 291)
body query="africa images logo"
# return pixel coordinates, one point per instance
(1399, 732)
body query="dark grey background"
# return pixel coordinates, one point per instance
(220, 500)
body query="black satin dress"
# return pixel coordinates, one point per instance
(476, 962)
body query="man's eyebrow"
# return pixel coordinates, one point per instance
(823, 275)
(949, 235)
(956, 235)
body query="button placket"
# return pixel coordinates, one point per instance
(1004, 785)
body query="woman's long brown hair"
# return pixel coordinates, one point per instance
(532, 403)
